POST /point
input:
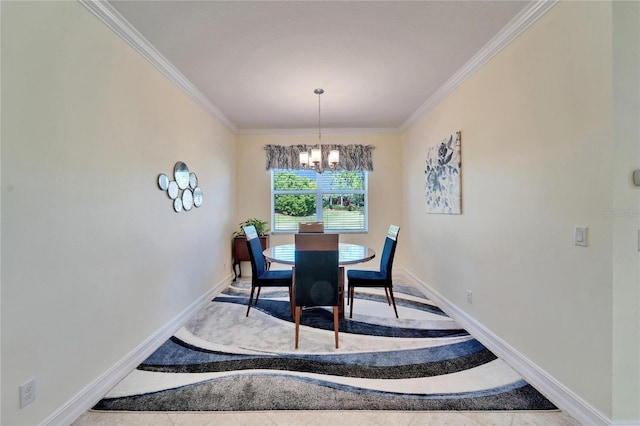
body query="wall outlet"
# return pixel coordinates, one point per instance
(469, 296)
(27, 393)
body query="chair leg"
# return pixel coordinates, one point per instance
(387, 294)
(348, 293)
(250, 300)
(291, 308)
(335, 323)
(258, 295)
(351, 291)
(298, 308)
(393, 300)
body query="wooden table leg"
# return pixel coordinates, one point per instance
(341, 294)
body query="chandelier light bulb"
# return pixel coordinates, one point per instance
(304, 159)
(334, 157)
(316, 157)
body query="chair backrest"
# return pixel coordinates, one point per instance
(389, 251)
(255, 251)
(393, 232)
(311, 227)
(316, 273)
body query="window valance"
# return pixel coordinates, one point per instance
(352, 157)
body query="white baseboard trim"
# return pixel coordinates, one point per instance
(562, 397)
(541, 380)
(92, 393)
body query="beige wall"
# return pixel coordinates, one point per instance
(537, 147)
(385, 200)
(94, 260)
(626, 212)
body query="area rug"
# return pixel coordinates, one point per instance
(223, 361)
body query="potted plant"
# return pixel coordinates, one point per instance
(240, 251)
(261, 227)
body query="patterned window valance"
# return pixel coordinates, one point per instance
(352, 157)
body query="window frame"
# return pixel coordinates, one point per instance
(319, 191)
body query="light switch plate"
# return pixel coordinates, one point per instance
(636, 177)
(580, 236)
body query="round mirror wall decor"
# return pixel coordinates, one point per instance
(181, 174)
(183, 190)
(187, 199)
(197, 197)
(173, 190)
(177, 205)
(163, 181)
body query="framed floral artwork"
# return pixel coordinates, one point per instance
(442, 176)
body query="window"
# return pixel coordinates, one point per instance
(337, 198)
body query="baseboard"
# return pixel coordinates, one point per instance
(91, 394)
(562, 397)
(541, 380)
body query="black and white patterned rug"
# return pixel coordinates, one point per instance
(222, 361)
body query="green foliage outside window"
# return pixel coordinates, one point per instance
(345, 181)
(285, 180)
(294, 204)
(337, 198)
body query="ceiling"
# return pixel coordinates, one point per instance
(258, 63)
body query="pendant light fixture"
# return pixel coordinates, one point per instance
(315, 158)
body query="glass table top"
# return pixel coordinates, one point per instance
(348, 254)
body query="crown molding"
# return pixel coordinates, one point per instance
(523, 20)
(330, 131)
(119, 25)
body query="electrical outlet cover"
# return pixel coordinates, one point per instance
(27, 392)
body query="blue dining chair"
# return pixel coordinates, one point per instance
(260, 276)
(316, 276)
(381, 278)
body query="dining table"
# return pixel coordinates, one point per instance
(348, 254)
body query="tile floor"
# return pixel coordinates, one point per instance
(352, 418)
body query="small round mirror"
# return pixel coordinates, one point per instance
(181, 174)
(187, 199)
(177, 205)
(173, 190)
(163, 181)
(197, 197)
(193, 180)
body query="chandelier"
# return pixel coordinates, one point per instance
(315, 158)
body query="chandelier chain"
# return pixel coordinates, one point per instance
(319, 122)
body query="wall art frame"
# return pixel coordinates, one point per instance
(443, 176)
